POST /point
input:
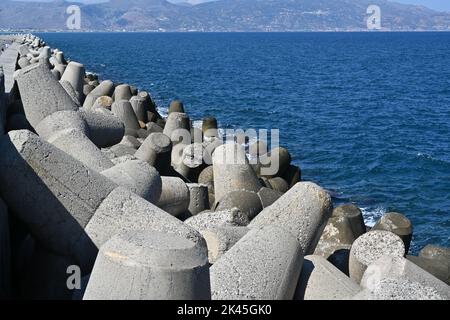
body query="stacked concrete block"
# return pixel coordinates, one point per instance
(75, 74)
(396, 267)
(396, 223)
(178, 128)
(174, 197)
(232, 171)
(150, 266)
(199, 199)
(264, 265)
(106, 88)
(248, 202)
(124, 111)
(221, 239)
(304, 211)
(370, 247)
(122, 92)
(320, 280)
(156, 150)
(139, 177)
(209, 220)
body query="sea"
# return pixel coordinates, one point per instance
(365, 115)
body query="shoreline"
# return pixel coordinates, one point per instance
(142, 178)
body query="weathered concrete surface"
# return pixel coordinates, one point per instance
(264, 265)
(401, 268)
(320, 280)
(396, 223)
(232, 171)
(209, 220)
(123, 210)
(439, 268)
(139, 177)
(51, 192)
(370, 247)
(174, 197)
(41, 93)
(247, 202)
(221, 239)
(398, 289)
(304, 211)
(150, 266)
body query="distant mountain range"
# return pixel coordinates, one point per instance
(221, 16)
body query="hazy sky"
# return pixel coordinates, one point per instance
(442, 5)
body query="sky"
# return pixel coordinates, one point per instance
(440, 5)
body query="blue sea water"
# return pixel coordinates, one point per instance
(365, 115)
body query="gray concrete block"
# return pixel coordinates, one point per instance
(124, 211)
(156, 150)
(264, 265)
(320, 280)
(105, 129)
(247, 202)
(120, 150)
(140, 108)
(150, 265)
(105, 88)
(69, 89)
(176, 106)
(199, 200)
(61, 121)
(396, 267)
(103, 102)
(439, 268)
(232, 171)
(139, 177)
(124, 111)
(174, 197)
(398, 289)
(79, 146)
(190, 163)
(369, 248)
(221, 239)
(41, 93)
(131, 141)
(209, 220)
(279, 184)
(268, 196)
(396, 223)
(354, 216)
(177, 126)
(435, 252)
(51, 192)
(122, 92)
(75, 74)
(304, 211)
(337, 234)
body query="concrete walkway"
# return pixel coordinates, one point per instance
(8, 60)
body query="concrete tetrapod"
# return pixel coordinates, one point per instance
(320, 280)
(400, 268)
(304, 211)
(105, 88)
(199, 200)
(139, 177)
(42, 95)
(209, 220)
(52, 193)
(247, 202)
(369, 248)
(105, 129)
(232, 171)
(174, 197)
(264, 265)
(221, 239)
(396, 223)
(124, 111)
(156, 151)
(150, 265)
(75, 74)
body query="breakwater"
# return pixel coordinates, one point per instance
(111, 187)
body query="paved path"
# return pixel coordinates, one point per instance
(8, 60)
